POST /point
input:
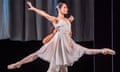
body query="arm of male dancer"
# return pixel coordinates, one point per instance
(47, 38)
(70, 34)
(50, 36)
(42, 13)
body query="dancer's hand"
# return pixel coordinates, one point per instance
(31, 7)
(71, 18)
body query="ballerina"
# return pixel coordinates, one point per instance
(60, 50)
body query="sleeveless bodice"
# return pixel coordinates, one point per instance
(63, 26)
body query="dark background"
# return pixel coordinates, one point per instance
(12, 51)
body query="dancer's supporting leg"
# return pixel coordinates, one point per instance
(25, 60)
(53, 67)
(100, 51)
(57, 68)
(63, 68)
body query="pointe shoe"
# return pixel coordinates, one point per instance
(14, 66)
(108, 51)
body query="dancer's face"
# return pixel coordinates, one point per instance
(63, 9)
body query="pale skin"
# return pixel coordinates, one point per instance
(61, 12)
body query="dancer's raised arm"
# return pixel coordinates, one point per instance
(41, 12)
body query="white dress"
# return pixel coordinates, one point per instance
(61, 51)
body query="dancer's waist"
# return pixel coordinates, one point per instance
(66, 32)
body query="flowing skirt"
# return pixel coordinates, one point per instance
(61, 51)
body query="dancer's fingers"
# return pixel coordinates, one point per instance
(29, 4)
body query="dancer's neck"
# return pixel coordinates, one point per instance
(61, 16)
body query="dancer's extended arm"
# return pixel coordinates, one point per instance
(41, 12)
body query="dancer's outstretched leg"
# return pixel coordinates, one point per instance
(99, 51)
(25, 60)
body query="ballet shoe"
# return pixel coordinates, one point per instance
(14, 66)
(108, 51)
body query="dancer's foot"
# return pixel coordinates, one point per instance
(108, 51)
(14, 66)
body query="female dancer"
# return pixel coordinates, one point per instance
(61, 51)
